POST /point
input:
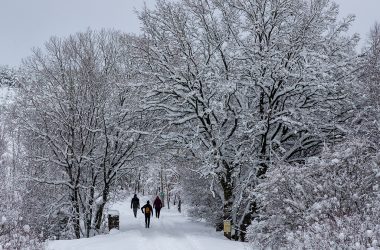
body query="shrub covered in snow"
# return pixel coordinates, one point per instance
(330, 202)
(14, 234)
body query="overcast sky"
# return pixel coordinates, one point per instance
(29, 23)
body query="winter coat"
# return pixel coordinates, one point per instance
(157, 203)
(135, 202)
(147, 210)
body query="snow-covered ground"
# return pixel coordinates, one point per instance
(173, 231)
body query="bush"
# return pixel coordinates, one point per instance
(15, 235)
(330, 202)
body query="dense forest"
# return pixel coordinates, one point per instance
(262, 112)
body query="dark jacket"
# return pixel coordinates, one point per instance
(157, 203)
(135, 202)
(147, 210)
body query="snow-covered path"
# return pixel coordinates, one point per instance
(173, 231)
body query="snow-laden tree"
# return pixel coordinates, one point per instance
(242, 84)
(12, 233)
(366, 92)
(77, 107)
(330, 202)
(8, 76)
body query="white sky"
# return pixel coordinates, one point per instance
(29, 23)
(367, 12)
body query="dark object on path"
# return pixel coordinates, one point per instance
(113, 219)
(157, 205)
(135, 204)
(147, 210)
(179, 205)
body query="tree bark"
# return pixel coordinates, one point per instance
(227, 185)
(76, 219)
(99, 213)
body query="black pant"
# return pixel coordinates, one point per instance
(135, 211)
(147, 220)
(158, 212)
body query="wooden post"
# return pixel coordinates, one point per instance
(113, 219)
(227, 228)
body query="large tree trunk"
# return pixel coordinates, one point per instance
(76, 219)
(227, 185)
(89, 214)
(167, 192)
(247, 220)
(99, 213)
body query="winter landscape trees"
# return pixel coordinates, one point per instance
(262, 112)
(79, 117)
(251, 83)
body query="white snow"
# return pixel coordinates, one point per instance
(26, 228)
(335, 161)
(173, 231)
(113, 212)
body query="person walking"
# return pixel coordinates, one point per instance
(147, 210)
(135, 204)
(157, 205)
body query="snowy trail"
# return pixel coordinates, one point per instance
(173, 231)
